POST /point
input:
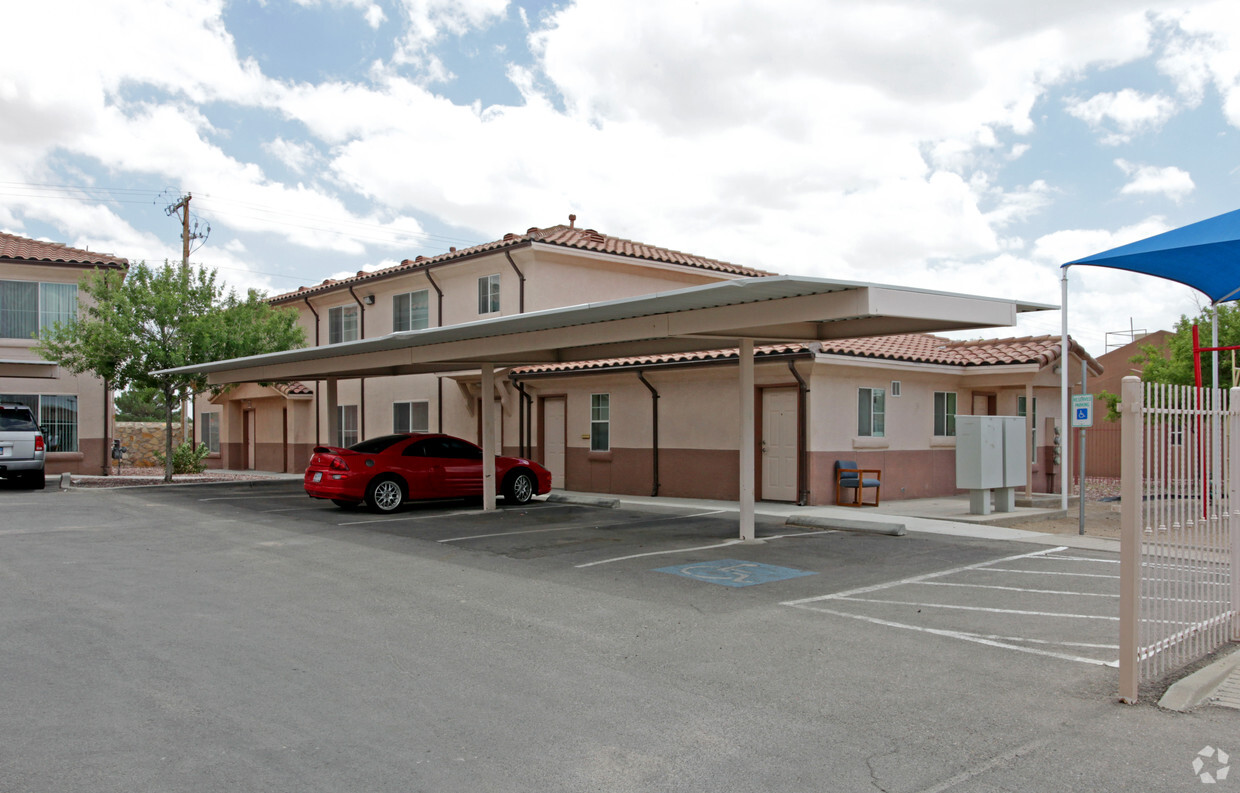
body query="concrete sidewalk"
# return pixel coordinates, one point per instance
(929, 516)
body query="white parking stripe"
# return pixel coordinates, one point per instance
(582, 527)
(968, 637)
(818, 533)
(1019, 589)
(410, 517)
(1050, 572)
(660, 553)
(917, 578)
(981, 608)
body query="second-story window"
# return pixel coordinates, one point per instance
(488, 294)
(342, 324)
(27, 307)
(409, 311)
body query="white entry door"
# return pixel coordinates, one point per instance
(779, 444)
(555, 439)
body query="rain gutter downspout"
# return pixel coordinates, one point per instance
(654, 411)
(521, 275)
(523, 447)
(318, 384)
(438, 323)
(439, 297)
(802, 426)
(361, 332)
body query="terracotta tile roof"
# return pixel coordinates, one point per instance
(24, 249)
(914, 347)
(759, 351)
(562, 236)
(293, 389)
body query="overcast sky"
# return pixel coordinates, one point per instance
(961, 145)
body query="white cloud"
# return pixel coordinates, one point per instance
(825, 137)
(1129, 112)
(428, 21)
(297, 156)
(1205, 51)
(1170, 181)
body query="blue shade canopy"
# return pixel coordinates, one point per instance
(1204, 255)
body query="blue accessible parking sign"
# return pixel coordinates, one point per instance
(1083, 410)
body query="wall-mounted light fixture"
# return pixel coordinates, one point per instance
(369, 300)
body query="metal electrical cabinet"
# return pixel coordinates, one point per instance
(990, 455)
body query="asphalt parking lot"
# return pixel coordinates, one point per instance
(198, 638)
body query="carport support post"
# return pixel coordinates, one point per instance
(747, 440)
(488, 436)
(333, 413)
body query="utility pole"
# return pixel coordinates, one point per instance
(181, 210)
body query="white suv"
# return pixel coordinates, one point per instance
(22, 447)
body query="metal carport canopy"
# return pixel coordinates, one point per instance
(742, 312)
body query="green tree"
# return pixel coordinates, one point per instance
(142, 404)
(164, 318)
(1176, 365)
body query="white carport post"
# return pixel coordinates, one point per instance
(488, 436)
(746, 440)
(1065, 461)
(333, 413)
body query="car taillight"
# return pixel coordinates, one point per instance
(338, 464)
(38, 443)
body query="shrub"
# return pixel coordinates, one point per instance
(186, 458)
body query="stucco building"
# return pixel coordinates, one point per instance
(643, 425)
(38, 287)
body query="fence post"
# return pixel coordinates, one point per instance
(1233, 503)
(1131, 423)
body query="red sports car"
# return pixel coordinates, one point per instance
(386, 472)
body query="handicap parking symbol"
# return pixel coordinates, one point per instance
(734, 572)
(1082, 414)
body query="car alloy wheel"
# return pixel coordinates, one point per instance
(385, 495)
(520, 488)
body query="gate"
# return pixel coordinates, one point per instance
(1180, 492)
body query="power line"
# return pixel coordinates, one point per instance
(360, 230)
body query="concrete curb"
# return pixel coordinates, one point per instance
(1195, 689)
(844, 524)
(240, 483)
(584, 501)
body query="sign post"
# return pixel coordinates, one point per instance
(1082, 418)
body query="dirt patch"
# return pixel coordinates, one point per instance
(1101, 520)
(1102, 515)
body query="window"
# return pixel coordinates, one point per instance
(58, 417)
(342, 324)
(871, 412)
(1021, 411)
(944, 414)
(488, 294)
(210, 433)
(410, 311)
(26, 307)
(410, 416)
(346, 419)
(600, 422)
(895, 388)
(444, 448)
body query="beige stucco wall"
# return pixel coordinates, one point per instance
(91, 455)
